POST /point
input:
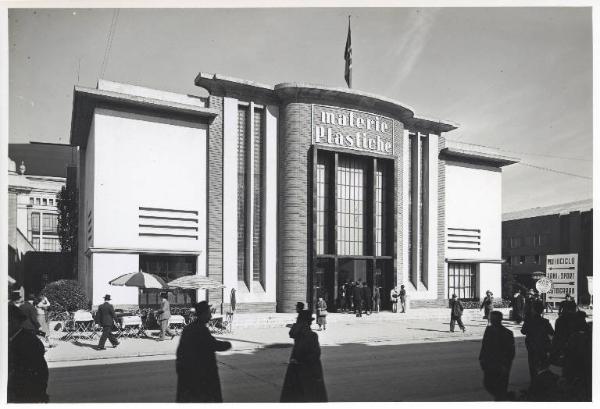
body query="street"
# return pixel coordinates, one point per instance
(438, 371)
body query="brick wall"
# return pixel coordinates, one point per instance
(441, 233)
(400, 237)
(292, 259)
(215, 199)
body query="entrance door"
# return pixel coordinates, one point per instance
(323, 284)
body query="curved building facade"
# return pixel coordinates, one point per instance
(304, 188)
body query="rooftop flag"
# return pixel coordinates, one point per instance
(348, 57)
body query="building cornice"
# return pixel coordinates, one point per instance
(477, 157)
(140, 250)
(86, 100)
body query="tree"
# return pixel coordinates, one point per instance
(68, 220)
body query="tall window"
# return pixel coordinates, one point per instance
(35, 222)
(36, 243)
(50, 244)
(351, 206)
(168, 268)
(461, 280)
(241, 210)
(322, 186)
(257, 220)
(379, 209)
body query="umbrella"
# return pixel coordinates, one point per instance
(139, 279)
(196, 282)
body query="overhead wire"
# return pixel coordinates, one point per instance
(554, 170)
(109, 41)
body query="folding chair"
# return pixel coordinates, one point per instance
(130, 326)
(83, 325)
(228, 323)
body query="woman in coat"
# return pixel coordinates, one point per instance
(42, 308)
(322, 313)
(304, 377)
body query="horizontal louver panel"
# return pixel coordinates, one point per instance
(174, 223)
(463, 238)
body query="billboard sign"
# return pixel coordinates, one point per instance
(562, 270)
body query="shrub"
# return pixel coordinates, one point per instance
(65, 296)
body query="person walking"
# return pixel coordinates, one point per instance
(487, 305)
(27, 379)
(518, 307)
(357, 299)
(496, 356)
(538, 333)
(366, 297)
(577, 369)
(567, 305)
(303, 380)
(163, 315)
(402, 295)
(42, 317)
(376, 299)
(394, 299)
(105, 317)
(31, 322)
(456, 311)
(342, 297)
(563, 328)
(196, 363)
(322, 313)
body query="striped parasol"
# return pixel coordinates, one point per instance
(196, 282)
(140, 280)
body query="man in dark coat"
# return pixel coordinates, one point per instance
(357, 299)
(196, 364)
(366, 297)
(27, 368)
(31, 323)
(487, 305)
(567, 305)
(402, 296)
(456, 311)
(538, 333)
(105, 317)
(496, 356)
(518, 307)
(304, 377)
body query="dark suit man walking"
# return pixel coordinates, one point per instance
(496, 356)
(163, 317)
(105, 316)
(196, 364)
(366, 296)
(456, 311)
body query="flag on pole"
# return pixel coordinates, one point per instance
(348, 58)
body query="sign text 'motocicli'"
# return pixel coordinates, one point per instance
(352, 129)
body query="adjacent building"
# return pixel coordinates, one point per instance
(528, 236)
(282, 193)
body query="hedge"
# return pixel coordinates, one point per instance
(65, 296)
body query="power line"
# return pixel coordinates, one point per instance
(109, 40)
(522, 153)
(554, 170)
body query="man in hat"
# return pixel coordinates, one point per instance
(487, 305)
(31, 323)
(163, 316)
(496, 356)
(105, 316)
(196, 364)
(567, 305)
(456, 311)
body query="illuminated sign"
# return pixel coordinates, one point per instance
(345, 128)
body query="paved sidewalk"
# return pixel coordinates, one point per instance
(377, 329)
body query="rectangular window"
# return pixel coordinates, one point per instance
(515, 242)
(35, 222)
(36, 243)
(50, 244)
(38, 201)
(461, 280)
(322, 210)
(259, 188)
(31, 200)
(50, 223)
(350, 199)
(168, 268)
(380, 195)
(45, 202)
(241, 211)
(51, 201)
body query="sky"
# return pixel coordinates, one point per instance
(517, 79)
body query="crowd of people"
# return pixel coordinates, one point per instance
(567, 346)
(357, 297)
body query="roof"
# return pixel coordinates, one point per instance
(217, 83)
(563, 208)
(42, 159)
(475, 153)
(125, 96)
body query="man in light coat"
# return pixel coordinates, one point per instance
(163, 317)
